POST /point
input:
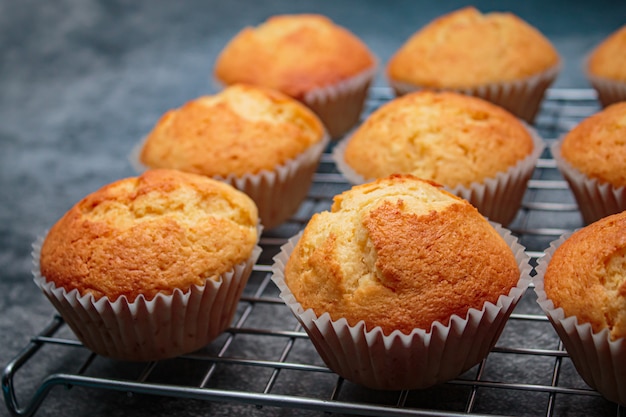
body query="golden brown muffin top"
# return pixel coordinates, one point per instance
(466, 48)
(155, 233)
(399, 253)
(242, 129)
(445, 137)
(608, 59)
(587, 275)
(597, 145)
(293, 54)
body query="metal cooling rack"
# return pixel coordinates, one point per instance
(265, 364)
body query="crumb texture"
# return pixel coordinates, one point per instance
(243, 129)
(597, 145)
(399, 253)
(587, 275)
(467, 48)
(445, 137)
(150, 234)
(293, 54)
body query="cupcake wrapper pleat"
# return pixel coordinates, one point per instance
(498, 198)
(163, 327)
(609, 91)
(277, 193)
(595, 199)
(522, 97)
(339, 106)
(600, 361)
(406, 361)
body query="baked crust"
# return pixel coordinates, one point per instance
(586, 276)
(608, 59)
(596, 146)
(445, 137)
(155, 233)
(399, 253)
(241, 130)
(466, 48)
(293, 54)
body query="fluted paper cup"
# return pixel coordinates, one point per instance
(595, 199)
(277, 193)
(339, 106)
(600, 361)
(609, 91)
(522, 97)
(420, 359)
(498, 198)
(163, 327)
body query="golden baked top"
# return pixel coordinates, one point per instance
(587, 275)
(466, 48)
(293, 54)
(150, 234)
(242, 129)
(399, 253)
(608, 59)
(597, 145)
(445, 137)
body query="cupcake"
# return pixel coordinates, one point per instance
(150, 267)
(477, 150)
(580, 286)
(260, 141)
(496, 56)
(401, 285)
(307, 57)
(606, 68)
(591, 158)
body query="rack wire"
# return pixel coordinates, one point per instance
(265, 364)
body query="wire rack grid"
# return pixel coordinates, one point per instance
(265, 364)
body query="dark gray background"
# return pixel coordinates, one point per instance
(82, 80)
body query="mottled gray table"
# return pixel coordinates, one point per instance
(82, 80)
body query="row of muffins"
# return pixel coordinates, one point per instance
(398, 252)
(152, 267)
(129, 230)
(269, 145)
(401, 285)
(496, 56)
(327, 68)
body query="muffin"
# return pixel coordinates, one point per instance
(150, 267)
(401, 285)
(307, 57)
(476, 149)
(496, 56)
(591, 158)
(258, 140)
(580, 285)
(606, 68)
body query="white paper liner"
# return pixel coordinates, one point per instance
(146, 330)
(419, 359)
(339, 106)
(278, 193)
(595, 199)
(522, 97)
(498, 198)
(600, 361)
(609, 91)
